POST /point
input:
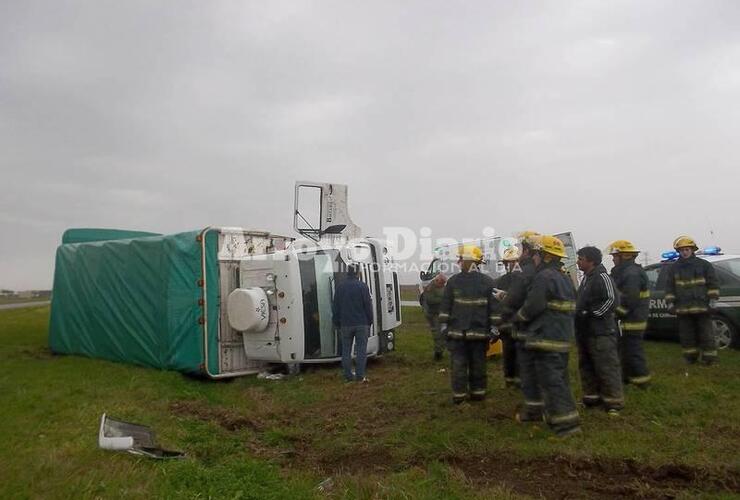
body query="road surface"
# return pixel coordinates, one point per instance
(25, 304)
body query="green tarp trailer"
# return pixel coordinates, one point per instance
(149, 299)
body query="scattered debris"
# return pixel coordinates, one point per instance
(271, 376)
(134, 438)
(326, 485)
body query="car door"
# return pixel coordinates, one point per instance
(660, 322)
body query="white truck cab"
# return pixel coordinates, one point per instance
(279, 302)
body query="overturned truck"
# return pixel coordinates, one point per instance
(221, 301)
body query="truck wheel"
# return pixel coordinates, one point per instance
(293, 368)
(724, 332)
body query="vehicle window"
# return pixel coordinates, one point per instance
(662, 277)
(652, 275)
(317, 283)
(731, 274)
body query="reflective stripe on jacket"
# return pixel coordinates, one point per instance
(467, 305)
(546, 316)
(691, 283)
(634, 296)
(597, 301)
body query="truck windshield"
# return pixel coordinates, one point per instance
(319, 271)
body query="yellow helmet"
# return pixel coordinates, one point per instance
(511, 254)
(621, 246)
(528, 237)
(552, 245)
(470, 252)
(684, 241)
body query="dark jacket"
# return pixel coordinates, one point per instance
(431, 299)
(634, 296)
(352, 305)
(546, 317)
(528, 269)
(691, 284)
(467, 306)
(597, 300)
(515, 285)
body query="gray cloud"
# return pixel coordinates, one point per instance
(612, 119)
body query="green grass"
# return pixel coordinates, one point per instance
(397, 437)
(410, 292)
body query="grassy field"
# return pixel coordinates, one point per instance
(409, 292)
(397, 437)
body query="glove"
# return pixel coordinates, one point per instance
(499, 295)
(672, 308)
(443, 328)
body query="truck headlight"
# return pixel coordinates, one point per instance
(390, 336)
(390, 346)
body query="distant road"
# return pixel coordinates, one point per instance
(410, 303)
(25, 304)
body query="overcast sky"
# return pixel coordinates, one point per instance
(614, 119)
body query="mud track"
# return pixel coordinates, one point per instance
(555, 477)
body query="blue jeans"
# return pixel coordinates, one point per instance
(359, 334)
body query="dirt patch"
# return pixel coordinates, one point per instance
(42, 353)
(569, 477)
(225, 418)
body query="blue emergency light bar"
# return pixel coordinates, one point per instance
(673, 255)
(668, 256)
(711, 251)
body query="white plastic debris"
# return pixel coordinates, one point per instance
(138, 439)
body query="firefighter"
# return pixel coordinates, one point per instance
(510, 291)
(545, 333)
(466, 324)
(691, 291)
(431, 299)
(527, 240)
(597, 335)
(634, 297)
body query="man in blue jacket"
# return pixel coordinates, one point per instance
(353, 315)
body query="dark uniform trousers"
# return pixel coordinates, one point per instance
(634, 363)
(600, 370)
(509, 353)
(468, 365)
(697, 335)
(437, 337)
(431, 301)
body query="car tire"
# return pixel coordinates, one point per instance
(724, 332)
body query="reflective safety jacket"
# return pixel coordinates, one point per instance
(691, 284)
(597, 301)
(467, 306)
(515, 285)
(634, 296)
(546, 317)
